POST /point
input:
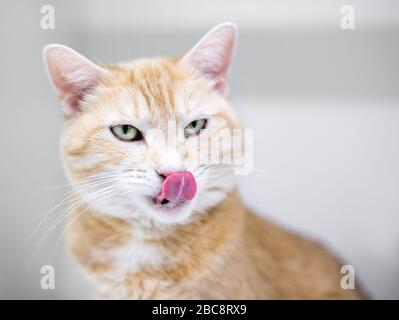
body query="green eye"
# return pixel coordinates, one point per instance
(194, 127)
(126, 132)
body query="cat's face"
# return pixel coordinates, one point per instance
(134, 135)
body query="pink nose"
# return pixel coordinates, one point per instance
(178, 186)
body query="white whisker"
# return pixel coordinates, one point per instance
(72, 221)
(65, 213)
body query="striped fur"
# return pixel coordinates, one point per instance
(214, 248)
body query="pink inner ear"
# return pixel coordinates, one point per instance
(71, 74)
(213, 54)
(72, 100)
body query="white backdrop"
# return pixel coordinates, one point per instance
(323, 104)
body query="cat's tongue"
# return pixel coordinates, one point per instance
(178, 186)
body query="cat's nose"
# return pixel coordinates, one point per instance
(168, 163)
(166, 171)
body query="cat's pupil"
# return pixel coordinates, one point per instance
(125, 129)
(194, 123)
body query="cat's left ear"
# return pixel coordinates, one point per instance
(213, 54)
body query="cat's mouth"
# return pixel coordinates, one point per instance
(165, 205)
(177, 189)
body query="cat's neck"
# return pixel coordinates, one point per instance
(94, 235)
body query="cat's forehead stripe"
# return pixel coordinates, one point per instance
(156, 82)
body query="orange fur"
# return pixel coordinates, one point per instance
(218, 249)
(229, 253)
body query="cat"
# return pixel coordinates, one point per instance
(150, 222)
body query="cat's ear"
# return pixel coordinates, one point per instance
(213, 54)
(71, 74)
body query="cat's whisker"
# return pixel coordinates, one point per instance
(88, 181)
(62, 202)
(59, 219)
(81, 185)
(101, 180)
(82, 180)
(89, 198)
(78, 188)
(111, 193)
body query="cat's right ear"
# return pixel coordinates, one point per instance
(71, 74)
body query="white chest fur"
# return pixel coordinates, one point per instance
(133, 257)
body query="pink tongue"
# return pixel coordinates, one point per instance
(178, 186)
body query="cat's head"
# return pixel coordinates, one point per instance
(134, 132)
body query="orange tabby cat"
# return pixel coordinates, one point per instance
(149, 220)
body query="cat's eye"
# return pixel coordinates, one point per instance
(126, 132)
(194, 127)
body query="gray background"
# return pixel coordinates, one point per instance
(323, 103)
